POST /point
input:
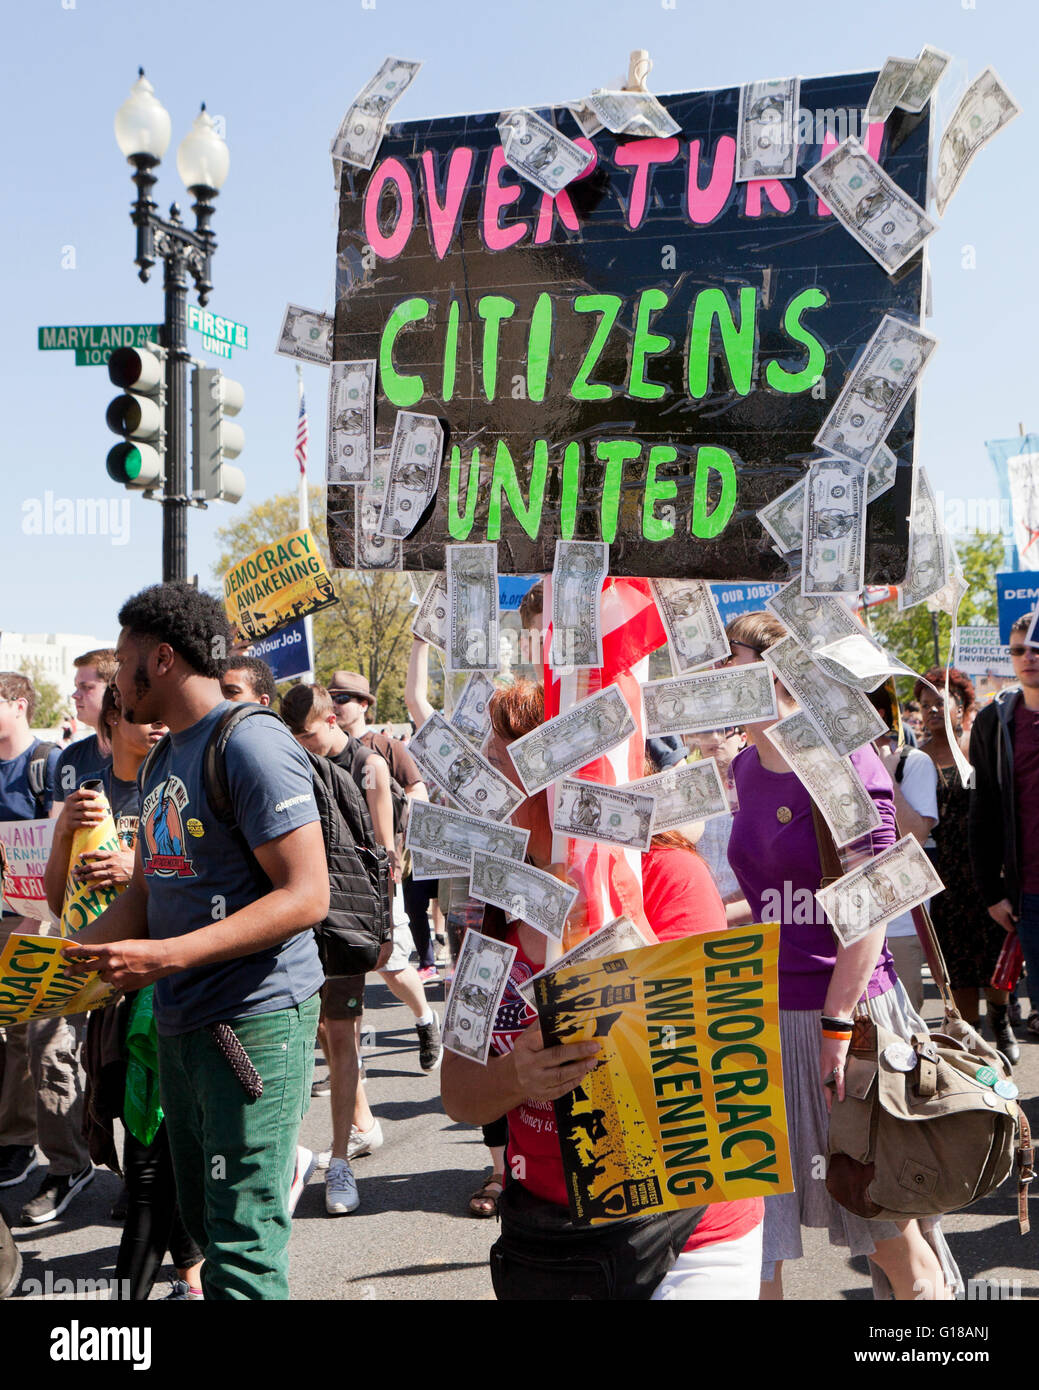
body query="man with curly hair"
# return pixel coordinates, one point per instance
(217, 916)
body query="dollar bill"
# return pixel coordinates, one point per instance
(306, 335)
(783, 518)
(571, 740)
(709, 700)
(425, 867)
(870, 205)
(619, 935)
(874, 893)
(472, 607)
(360, 133)
(610, 815)
(537, 151)
(881, 475)
(843, 716)
(695, 633)
(458, 770)
(766, 133)
(954, 590)
(928, 71)
(838, 643)
(832, 783)
(891, 83)
(451, 836)
(481, 974)
(471, 716)
(984, 109)
(693, 792)
(586, 118)
(415, 453)
(631, 113)
(430, 623)
(876, 392)
(372, 551)
(833, 556)
(928, 566)
(577, 578)
(860, 661)
(351, 422)
(525, 893)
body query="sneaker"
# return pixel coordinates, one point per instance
(321, 1088)
(16, 1163)
(54, 1196)
(364, 1141)
(430, 1048)
(181, 1292)
(429, 975)
(341, 1194)
(305, 1165)
(324, 1158)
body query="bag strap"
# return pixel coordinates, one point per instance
(37, 773)
(1024, 1158)
(829, 857)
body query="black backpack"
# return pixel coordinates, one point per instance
(37, 774)
(359, 921)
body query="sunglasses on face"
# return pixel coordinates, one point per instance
(343, 699)
(1022, 650)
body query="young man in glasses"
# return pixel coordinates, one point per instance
(88, 757)
(1004, 806)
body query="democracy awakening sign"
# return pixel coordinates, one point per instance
(644, 359)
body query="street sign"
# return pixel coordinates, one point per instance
(219, 335)
(95, 343)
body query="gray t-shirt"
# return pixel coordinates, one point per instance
(198, 871)
(84, 760)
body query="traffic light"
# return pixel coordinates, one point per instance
(139, 415)
(214, 437)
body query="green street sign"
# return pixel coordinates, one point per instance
(94, 343)
(219, 335)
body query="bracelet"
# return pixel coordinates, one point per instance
(840, 1024)
(840, 1037)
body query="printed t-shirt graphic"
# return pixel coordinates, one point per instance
(164, 842)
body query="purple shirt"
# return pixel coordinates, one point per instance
(778, 868)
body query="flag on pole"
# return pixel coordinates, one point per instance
(302, 439)
(301, 427)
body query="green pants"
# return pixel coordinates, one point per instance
(233, 1157)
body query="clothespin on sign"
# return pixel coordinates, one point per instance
(639, 66)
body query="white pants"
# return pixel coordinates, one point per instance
(728, 1270)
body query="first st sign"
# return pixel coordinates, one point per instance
(95, 343)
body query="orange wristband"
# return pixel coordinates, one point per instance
(840, 1037)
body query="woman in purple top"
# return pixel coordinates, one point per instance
(775, 856)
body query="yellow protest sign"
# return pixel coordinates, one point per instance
(686, 1106)
(82, 901)
(277, 584)
(36, 981)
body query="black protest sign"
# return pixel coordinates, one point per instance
(645, 359)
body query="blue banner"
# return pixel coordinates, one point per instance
(513, 588)
(733, 599)
(286, 651)
(1016, 595)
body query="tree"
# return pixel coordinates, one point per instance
(50, 707)
(367, 631)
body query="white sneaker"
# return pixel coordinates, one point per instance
(364, 1141)
(305, 1165)
(341, 1194)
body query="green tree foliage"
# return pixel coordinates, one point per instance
(367, 631)
(50, 705)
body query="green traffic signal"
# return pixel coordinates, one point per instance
(134, 465)
(138, 415)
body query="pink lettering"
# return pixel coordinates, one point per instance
(872, 143)
(641, 155)
(388, 245)
(705, 204)
(497, 197)
(444, 217)
(777, 196)
(561, 202)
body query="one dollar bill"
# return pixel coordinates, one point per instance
(710, 700)
(538, 152)
(613, 937)
(351, 422)
(430, 624)
(452, 835)
(833, 555)
(572, 740)
(695, 633)
(471, 714)
(523, 892)
(842, 715)
(361, 130)
(481, 974)
(306, 335)
(610, 815)
(831, 782)
(897, 880)
(766, 132)
(577, 580)
(984, 109)
(415, 453)
(472, 607)
(457, 769)
(685, 795)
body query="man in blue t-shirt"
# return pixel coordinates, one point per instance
(88, 757)
(218, 916)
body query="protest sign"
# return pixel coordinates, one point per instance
(28, 846)
(276, 584)
(286, 652)
(1017, 593)
(979, 652)
(686, 1105)
(733, 599)
(36, 981)
(644, 359)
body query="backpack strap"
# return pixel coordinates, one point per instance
(900, 766)
(214, 758)
(144, 771)
(37, 774)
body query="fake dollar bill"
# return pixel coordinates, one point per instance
(577, 578)
(766, 133)
(928, 567)
(525, 893)
(695, 634)
(631, 113)
(860, 661)
(537, 151)
(894, 882)
(457, 769)
(880, 477)
(415, 452)
(372, 551)
(685, 794)
(832, 783)
(928, 71)
(611, 815)
(470, 715)
(585, 118)
(843, 716)
(876, 392)
(783, 517)
(430, 623)
(889, 86)
(839, 645)
(306, 334)
(984, 109)
(451, 836)
(361, 130)
(619, 935)
(425, 867)
(833, 556)
(472, 607)
(870, 204)
(351, 422)
(480, 978)
(710, 700)
(571, 740)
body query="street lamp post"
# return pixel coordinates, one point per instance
(142, 128)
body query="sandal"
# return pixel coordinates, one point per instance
(484, 1202)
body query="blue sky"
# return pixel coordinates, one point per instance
(281, 77)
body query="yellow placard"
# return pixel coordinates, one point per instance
(277, 584)
(686, 1106)
(36, 981)
(82, 902)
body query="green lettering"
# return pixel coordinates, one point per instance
(400, 390)
(778, 377)
(504, 484)
(568, 494)
(742, 1115)
(737, 343)
(704, 524)
(539, 342)
(492, 308)
(613, 452)
(653, 527)
(450, 350)
(609, 306)
(646, 344)
(460, 525)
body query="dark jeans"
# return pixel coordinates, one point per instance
(153, 1224)
(1028, 932)
(417, 897)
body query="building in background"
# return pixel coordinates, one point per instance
(49, 655)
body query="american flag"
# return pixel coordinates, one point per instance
(301, 432)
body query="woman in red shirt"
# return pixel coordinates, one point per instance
(721, 1258)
